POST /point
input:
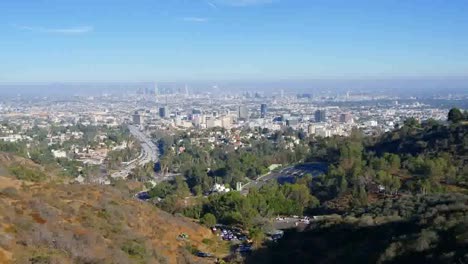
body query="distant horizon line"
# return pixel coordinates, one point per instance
(214, 81)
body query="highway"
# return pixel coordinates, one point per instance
(149, 153)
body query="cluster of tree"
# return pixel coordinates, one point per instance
(414, 229)
(27, 174)
(415, 158)
(455, 115)
(115, 158)
(142, 173)
(18, 148)
(117, 135)
(233, 208)
(203, 165)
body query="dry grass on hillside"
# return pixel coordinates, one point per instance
(50, 223)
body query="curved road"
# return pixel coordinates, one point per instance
(149, 153)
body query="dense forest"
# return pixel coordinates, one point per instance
(416, 229)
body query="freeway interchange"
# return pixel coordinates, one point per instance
(149, 153)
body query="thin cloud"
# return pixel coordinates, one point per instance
(195, 19)
(65, 31)
(211, 4)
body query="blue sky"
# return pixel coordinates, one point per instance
(173, 40)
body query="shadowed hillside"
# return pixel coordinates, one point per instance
(419, 229)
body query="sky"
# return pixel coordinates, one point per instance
(183, 40)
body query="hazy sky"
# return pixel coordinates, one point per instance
(171, 40)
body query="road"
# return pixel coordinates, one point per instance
(149, 153)
(288, 174)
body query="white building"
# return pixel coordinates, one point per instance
(59, 153)
(220, 188)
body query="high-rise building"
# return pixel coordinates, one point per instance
(213, 122)
(320, 116)
(346, 118)
(226, 122)
(209, 122)
(164, 112)
(263, 110)
(243, 112)
(138, 119)
(311, 129)
(322, 132)
(156, 90)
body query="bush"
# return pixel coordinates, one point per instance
(135, 250)
(207, 241)
(40, 260)
(192, 249)
(208, 220)
(27, 174)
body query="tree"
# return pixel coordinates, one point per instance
(181, 187)
(299, 193)
(257, 236)
(455, 115)
(394, 162)
(209, 220)
(343, 188)
(162, 190)
(411, 122)
(360, 196)
(197, 190)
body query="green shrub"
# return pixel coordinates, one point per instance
(135, 250)
(208, 220)
(27, 174)
(208, 241)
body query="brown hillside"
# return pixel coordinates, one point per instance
(50, 223)
(7, 159)
(25, 169)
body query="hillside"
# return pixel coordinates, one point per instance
(24, 169)
(401, 199)
(53, 223)
(416, 229)
(428, 139)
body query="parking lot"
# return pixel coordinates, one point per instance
(289, 174)
(282, 223)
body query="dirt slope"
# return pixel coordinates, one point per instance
(51, 223)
